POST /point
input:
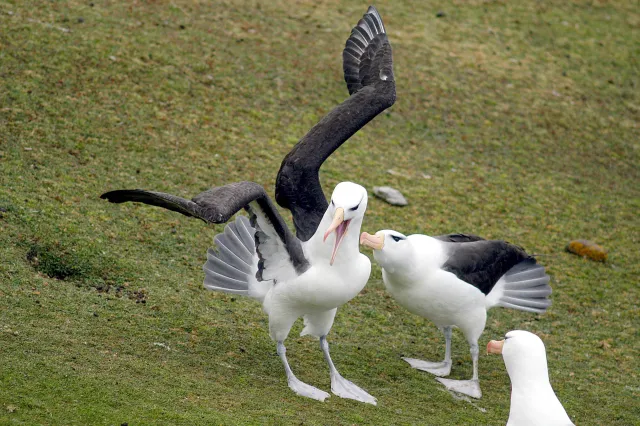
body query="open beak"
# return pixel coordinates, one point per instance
(375, 242)
(495, 347)
(340, 226)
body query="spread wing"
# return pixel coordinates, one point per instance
(280, 252)
(482, 263)
(368, 72)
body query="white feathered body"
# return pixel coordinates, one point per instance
(536, 404)
(426, 290)
(533, 401)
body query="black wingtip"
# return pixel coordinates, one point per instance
(120, 195)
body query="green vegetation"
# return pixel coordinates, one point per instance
(514, 120)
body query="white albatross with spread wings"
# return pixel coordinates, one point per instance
(533, 401)
(321, 268)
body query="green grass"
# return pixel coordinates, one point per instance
(524, 114)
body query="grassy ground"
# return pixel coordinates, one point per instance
(523, 114)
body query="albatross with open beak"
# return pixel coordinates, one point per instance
(310, 274)
(533, 401)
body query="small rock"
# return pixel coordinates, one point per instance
(440, 14)
(589, 249)
(80, 20)
(113, 58)
(390, 195)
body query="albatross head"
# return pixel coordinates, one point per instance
(348, 204)
(391, 249)
(524, 355)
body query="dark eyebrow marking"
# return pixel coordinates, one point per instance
(355, 208)
(397, 238)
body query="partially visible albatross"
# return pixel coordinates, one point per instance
(453, 280)
(533, 401)
(313, 273)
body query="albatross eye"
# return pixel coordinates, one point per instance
(397, 238)
(353, 209)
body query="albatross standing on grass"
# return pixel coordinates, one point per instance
(453, 280)
(533, 401)
(308, 275)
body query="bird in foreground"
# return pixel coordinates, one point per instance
(453, 280)
(533, 401)
(313, 273)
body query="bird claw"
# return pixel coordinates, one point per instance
(346, 389)
(436, 368)
(467, 387)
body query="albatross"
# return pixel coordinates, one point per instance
(311, 274)
(533, 401)
(453, 280)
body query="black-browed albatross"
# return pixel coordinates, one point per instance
(533, 401)
(304, 275)
(453, 280)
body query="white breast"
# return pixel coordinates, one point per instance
(325, 286)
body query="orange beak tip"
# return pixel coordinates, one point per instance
(495, 347)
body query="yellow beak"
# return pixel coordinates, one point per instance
(495, 347)
(340, 226)
(338, 218)
(375, 242)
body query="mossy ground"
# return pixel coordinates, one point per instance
(514, 120)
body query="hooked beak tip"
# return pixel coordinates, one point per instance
(495, 347)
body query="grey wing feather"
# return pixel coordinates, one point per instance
(367, 53)
(216, 264)
(246, 233)
(228, 256)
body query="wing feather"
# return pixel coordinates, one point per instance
(368, 72)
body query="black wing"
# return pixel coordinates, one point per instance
(217, 205)
(459, 238)
(482, 263)
(368, 71)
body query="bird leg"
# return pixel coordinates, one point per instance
(341, 386)
(466, 387)
(437, 368)
(295, 384)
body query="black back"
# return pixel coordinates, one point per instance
(459, 238)
(482, 263)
